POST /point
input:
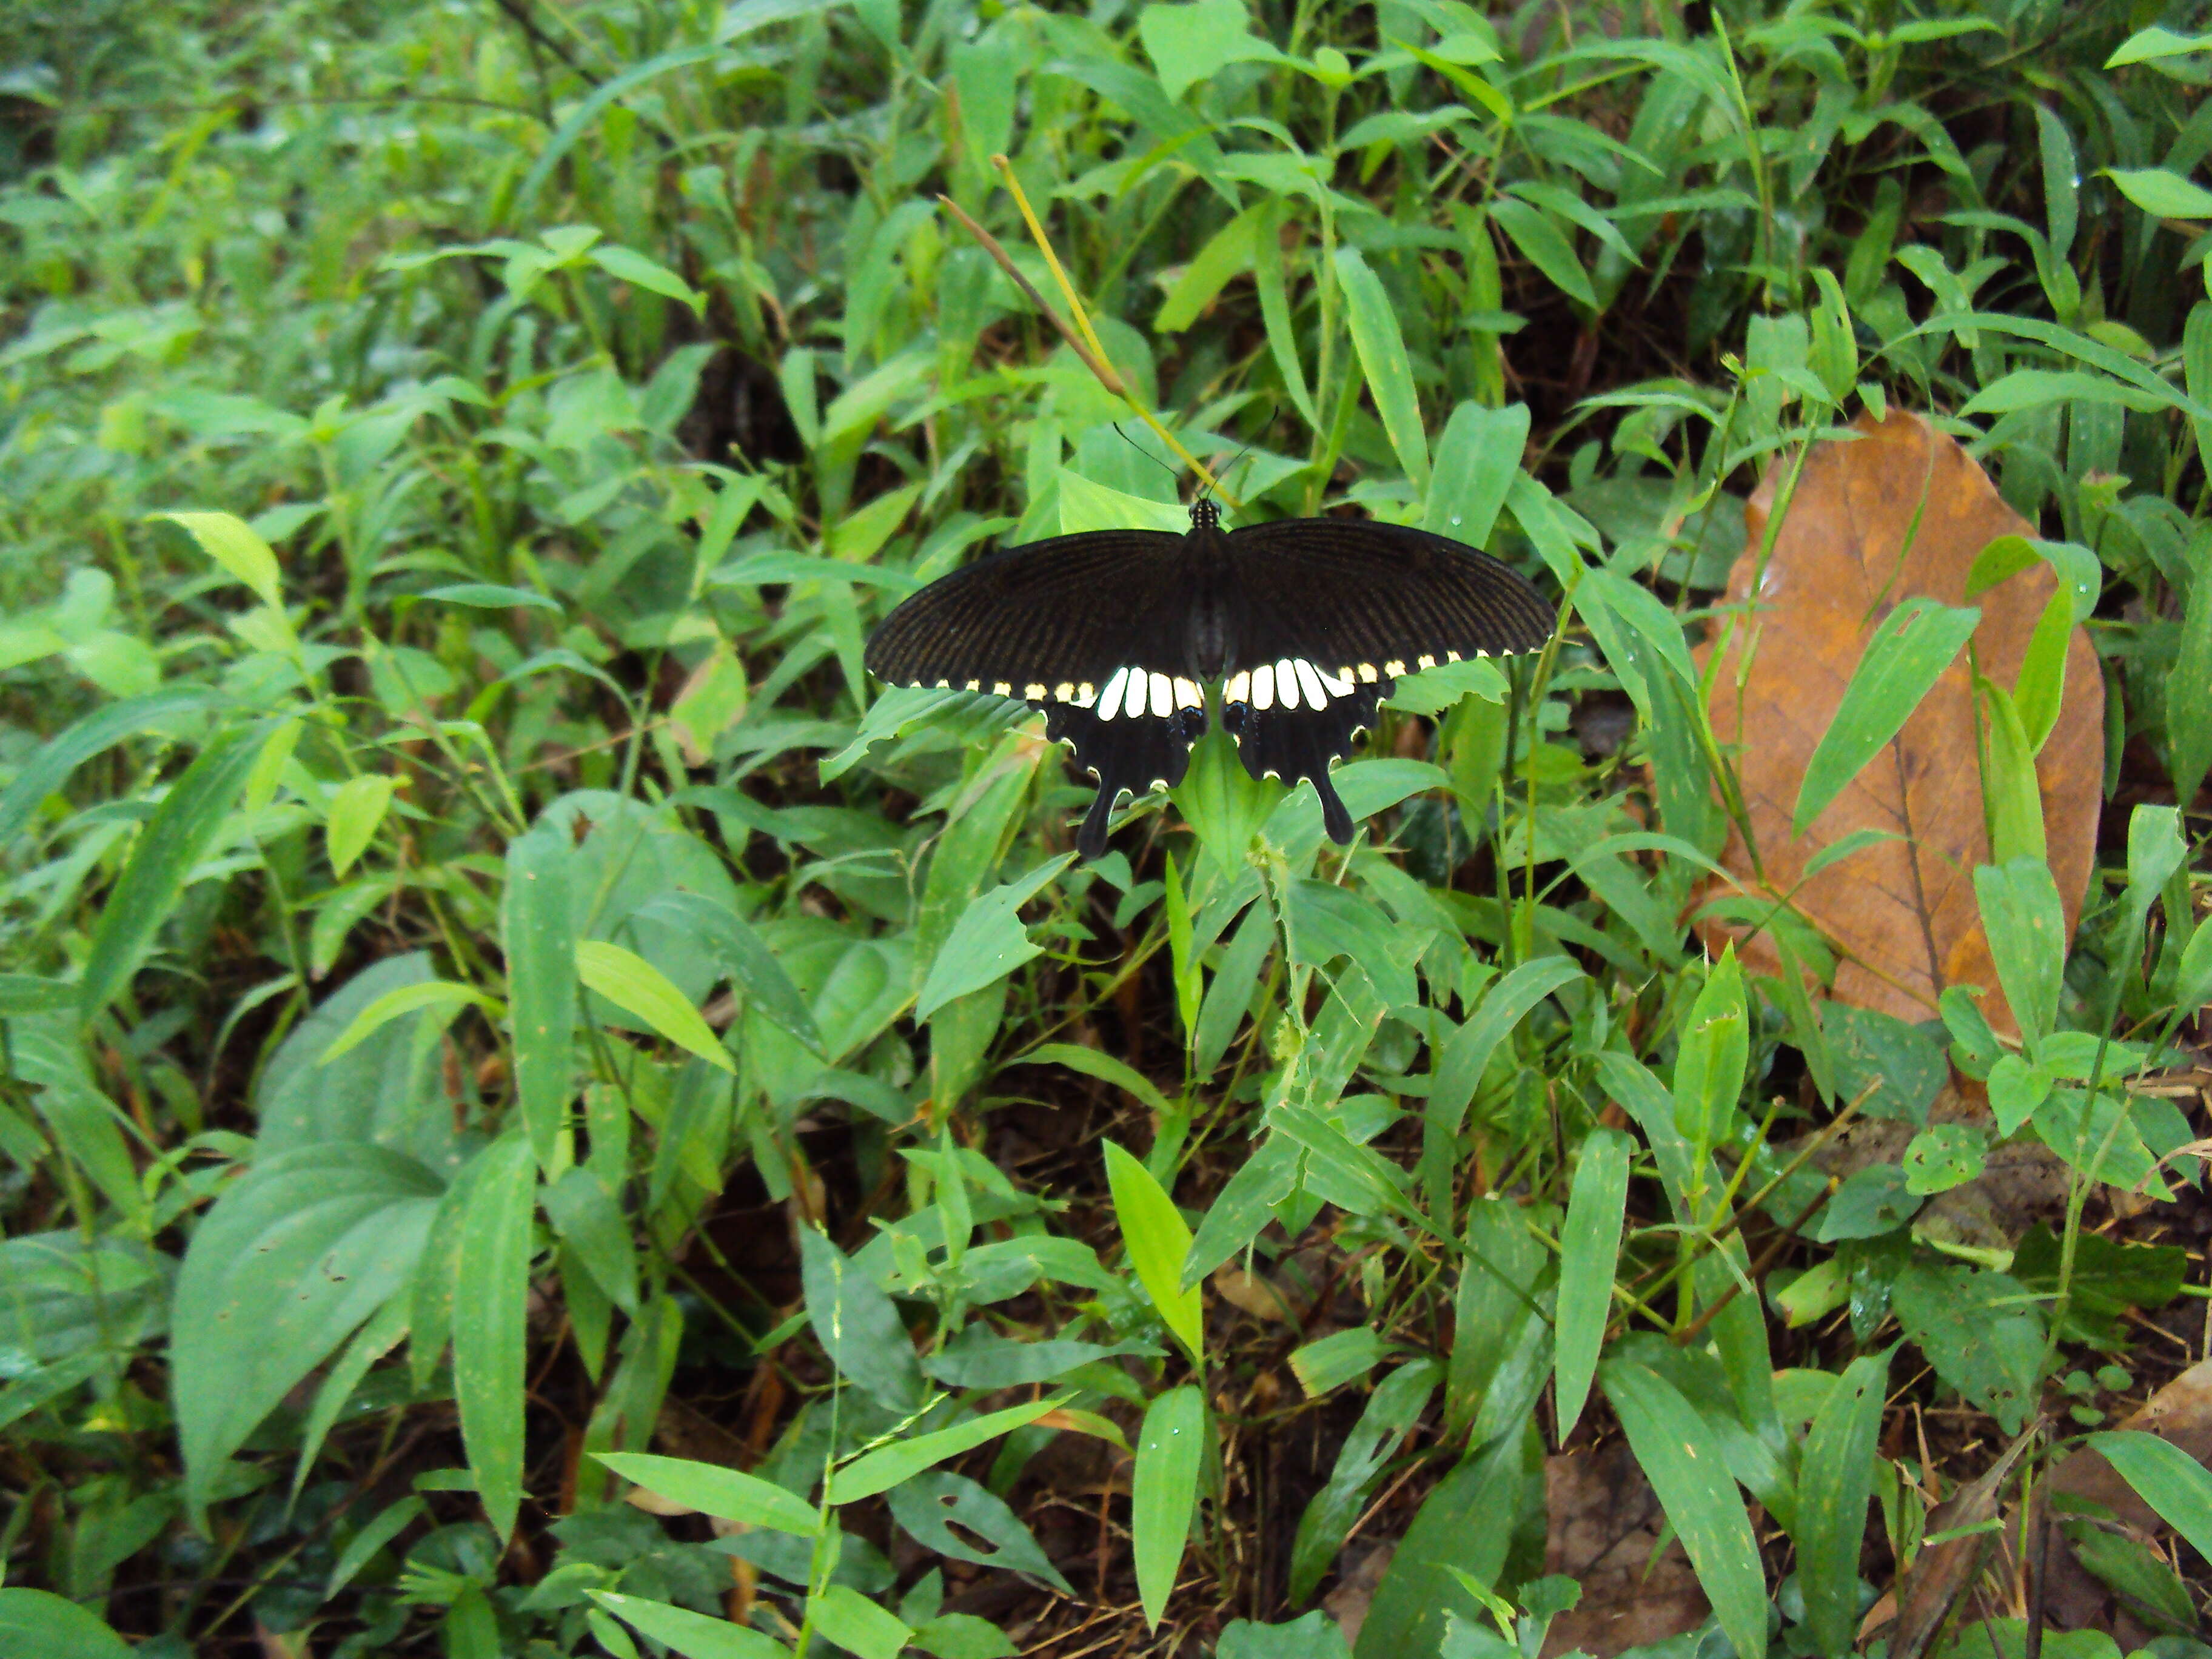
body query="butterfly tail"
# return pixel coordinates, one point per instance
(1090, 839)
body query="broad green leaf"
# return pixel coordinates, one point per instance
(2026, 930)
(1546, 246)
(1589, 1251)
(232, 543)
(1906, 656)
(988, 942)
(743, 955)
(851, 1621)
(2167, 1477)
(1157, 1241)
(538, 930)
(882, 1469)
(181, 833)
(637, 987)
(1227, 253)
(2161, 193)
(1087, 505)
(1189, 44)
(1392, 1411)
(1709, 1066)
(356, 809)
(1476, 460)
(1835, 1480)
(626, 264)
(48, 770)
(1382, 349)
(2146, 45)
(1263, 1180)
(591, 1224)
(293, 1256)
(1163, 1493)
(930, 1505)
(857, 1325)
(1981, 1331)
(405, 999)
(1465, 1526)
(1336, 1359)
(711, 1489)
(1091, 1062)
(490, 1332)
(36, 1624)
(1689, 1471)
(2189, 694)
(694, 1635)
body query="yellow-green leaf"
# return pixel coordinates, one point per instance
(636, 987)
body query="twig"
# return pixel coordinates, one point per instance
(1767, 1258)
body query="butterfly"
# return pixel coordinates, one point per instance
(1304, 624)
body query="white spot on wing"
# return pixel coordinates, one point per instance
(1339, 683)
(1425, 660)
(1286, 683)
(1002, 688)
(1310, 683)
(1187, 695)
(1367, 674)
(1163, 696)
(1239, 687)
(1133, 704)
(1086, 694)
(1064, 692)
(1263, 686)
(1034, 690)
(1394, 668)
(1109, 699)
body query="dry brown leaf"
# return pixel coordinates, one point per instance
(1605, 1525)
(1902, 913)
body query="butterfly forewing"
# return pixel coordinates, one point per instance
(1086, 628)
(1334, 611)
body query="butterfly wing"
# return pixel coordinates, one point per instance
(1088, 627)
(1333, 611)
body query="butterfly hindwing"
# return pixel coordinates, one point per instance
(1333, 611)
(1065, 624)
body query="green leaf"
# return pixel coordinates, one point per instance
(36, 1624)
(1392, 1411)
(1835, 1480)
(1465, 1055)
(882, 1469)
(2165, 1477)
(538, 932)
(294, 1254)
(1465, 1526)
(638, 989)
(1589, 1251)
(1158, 1242)
(694, 1635)
(2189, 694)
(743, 954)
(27, 993)
(853, 1622)
(930, 1505)
(2026, 930)
(858, 1326)
(356, 809)
(988, 942)
(181, 833)
(1227, 253)
(1269, 279)
(1163, 1493)
(1087, 505)
(1103, 1067)
(1906, 656)
(2146, 45)
(1246, 1205)
(711, 1489)
(48, 770)
(1688, 1469)
(1546, 246)
(626, 264)
(491, 596)
(407, 1000)
(1335, 1360)
(592, 1223)
(1192, 43)
(2161, 194)
(1477, 458)
(1709, 1067)
(232, 543)
(489, 1331)
(1980, 1331)
(387, 1524)
(1382, 350)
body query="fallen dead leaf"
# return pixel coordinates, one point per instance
(1915, 1611)
(1902, 912)
(1605, 1523)
(1255, 1295)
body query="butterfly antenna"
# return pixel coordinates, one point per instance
(1147, 453)
(1226, 471)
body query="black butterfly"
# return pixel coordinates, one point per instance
(1305, 624)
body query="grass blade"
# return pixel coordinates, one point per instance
(493, 1259)
(1164, 1497)
(1589, 1251)
(538, 930)
(636, 987)
(1835, 1480)
(1382, 349)
(1157, 1240)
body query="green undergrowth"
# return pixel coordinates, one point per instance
(503, 1019)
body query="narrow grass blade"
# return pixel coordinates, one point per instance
(1163, 1498)
(1589, 1251)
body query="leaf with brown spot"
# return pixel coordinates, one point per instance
(1899, 511)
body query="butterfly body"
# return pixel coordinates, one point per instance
(1305, 624)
